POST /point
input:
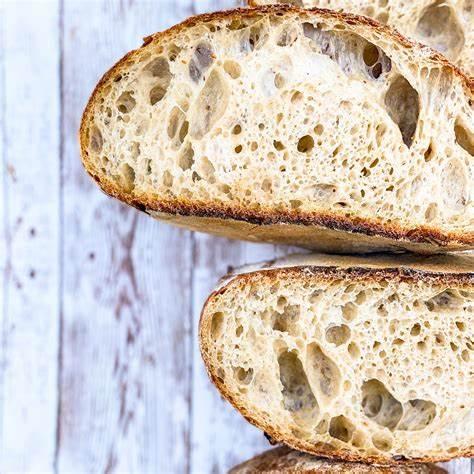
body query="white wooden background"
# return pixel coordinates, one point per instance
(99, 305)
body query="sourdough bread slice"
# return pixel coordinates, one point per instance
(445, 25)
(283, 460)
(287, 125)
(362, 359)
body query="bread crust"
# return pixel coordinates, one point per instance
(377, 271)
(422, 239)
(283, 460)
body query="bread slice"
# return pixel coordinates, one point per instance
(445, 25)
(287, 125)
(284, 460)
(368, 360)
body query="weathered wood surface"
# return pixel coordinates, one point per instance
(30, 249)
(99, 364)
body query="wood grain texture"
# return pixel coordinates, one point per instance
(103, 295)
(31, 218)
(126, 347)
(459, 466)
(4, 240)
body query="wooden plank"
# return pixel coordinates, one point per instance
(4, 241)
(459, 466)
(30, 257)
(126, 359)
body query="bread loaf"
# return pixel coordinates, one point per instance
(313, 128)
(362, 359)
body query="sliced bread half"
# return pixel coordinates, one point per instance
(368, 360)
(287, 125)
(283, 460)
(445, 25)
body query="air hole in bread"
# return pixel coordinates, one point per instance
(96, 141)
(287, 37)
(322, 427)
(370, 54)
(403, 106)
(210, 105)
(186, 158)
(236, 24)
(175, 121)
(455, 185)
(201, 61)
(237, 130)
(418, 414)
(183, 131)
(278, 145)
(207, 169)
(298, 398)
(463, 138)
(252, 37)
(445, 301)
(167, 179)
(349, 311)
(159, 68)
(324, 192)
(319, 129)
(287, 320)
(127, 178)
(135, 151)
(322, 373)
(353, 350)
(382, 441)
(173, 51)
(439, 28)
(233, 69)
(350, 51)
(305, 144)
(415, 330)
(429, 153)
(126, 103)
(295, 203)
(341, 428)
(338, 335)
(257, 36)
(243, 376)
(266, 185)
(358, 439)
(279, 80)
(217, 325)
(461, 325)
(421, 346)
(157, 93)
(380, 405)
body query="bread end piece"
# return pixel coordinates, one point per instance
(283, 460)
(141, 178)
(358, 359)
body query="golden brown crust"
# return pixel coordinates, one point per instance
(431, 239)
(284, 460)
(325, 273)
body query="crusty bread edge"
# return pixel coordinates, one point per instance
(421, 234)
(323, 273)
(277, 459)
